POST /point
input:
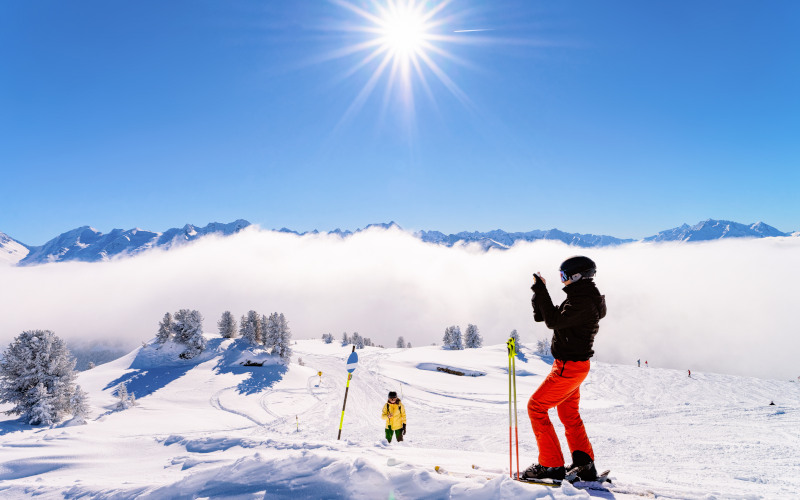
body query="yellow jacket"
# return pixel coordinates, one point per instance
(394, 414)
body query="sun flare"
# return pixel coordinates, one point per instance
(401, 42)
(403, 31)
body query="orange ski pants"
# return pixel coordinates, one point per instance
(560, 389)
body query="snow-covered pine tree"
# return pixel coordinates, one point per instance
(514, 335)
(37, 376)
(358, 340)
(189, 331)
(345, 339)
(227, 325)
(543, 347)
(123, 402)
(79, 404)
(264, 321)
(257, 328)
(327, 337)
(43, 411)
(284, 339)
(165, 328)
(447, 339)
(401, 343)
(273, 332)
(452, 338)
(458, 342)
(247, 330)
(472, 338)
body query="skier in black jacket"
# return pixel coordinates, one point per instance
(574, 323)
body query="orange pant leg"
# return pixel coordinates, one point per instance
(573, 424)
(561, 385)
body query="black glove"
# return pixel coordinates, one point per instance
(404, 429)
(538, 284)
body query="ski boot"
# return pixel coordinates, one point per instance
(537, 471)
(582, 468)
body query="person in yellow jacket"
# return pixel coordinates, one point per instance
(395, 415)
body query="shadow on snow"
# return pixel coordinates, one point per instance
(261, 377)
(149, 376)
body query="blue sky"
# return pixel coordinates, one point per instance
(619, 118)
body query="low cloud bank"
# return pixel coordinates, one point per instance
(724, 306)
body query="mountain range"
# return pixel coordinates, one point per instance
(87, 244)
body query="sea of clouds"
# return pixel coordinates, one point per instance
(726, 306)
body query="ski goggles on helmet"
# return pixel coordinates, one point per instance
(564, 276)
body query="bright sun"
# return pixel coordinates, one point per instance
(401, 42)
(403, 30)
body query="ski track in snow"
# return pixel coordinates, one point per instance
(663, 434)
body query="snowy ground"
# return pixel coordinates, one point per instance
(214, 428)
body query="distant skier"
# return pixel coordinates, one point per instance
(645, 364)
(574, 323)
(395, 415)
(639, 363)
(690, 373)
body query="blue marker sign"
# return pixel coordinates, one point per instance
(352, 361)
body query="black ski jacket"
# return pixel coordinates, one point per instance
(575, 322)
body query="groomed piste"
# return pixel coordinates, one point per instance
(213, 427)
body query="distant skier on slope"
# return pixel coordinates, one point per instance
(574, 323)
(395, 415)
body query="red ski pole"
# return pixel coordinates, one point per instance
(510, 442)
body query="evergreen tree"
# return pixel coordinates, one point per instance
(122, 396)
(188, 330)
(452, 338)
(264, 330)
(37, 376)
(401, 343)
(255, 328)
(514, 335)
(345, 339)
(472, 338)
(284, 338)
(80, 404)
(43, 411)
(358, 340)
(165, 328)
(247, 331)
(447, 339)
(543, 347)
(227, 325)
(273, 332)
(327, 337)
(458, 342)
(408, 346)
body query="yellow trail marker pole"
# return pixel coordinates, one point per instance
(352, 361)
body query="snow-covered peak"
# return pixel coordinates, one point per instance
(11, 250)
(90, 245)
(715, 229)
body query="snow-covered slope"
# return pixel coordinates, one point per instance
(715, 229)
(89, 245)
(11, 250)
(211, 427)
